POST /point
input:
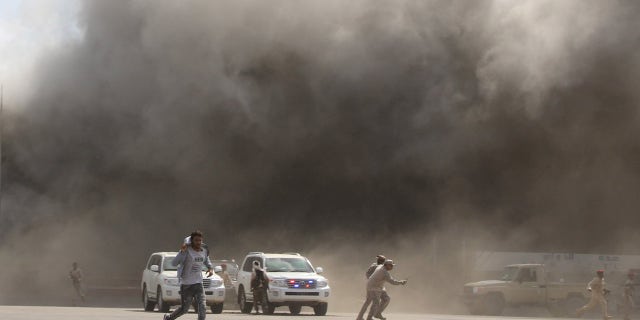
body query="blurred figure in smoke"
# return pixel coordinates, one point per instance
(598, 293)
(380, 259)
(259, 286)
(375, 289)
(627, 301)
(76, 276)
(225, 276)
(190, 261)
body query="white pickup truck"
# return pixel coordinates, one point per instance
(524, 284)
(293, 282)
(160, 285)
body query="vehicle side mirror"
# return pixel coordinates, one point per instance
(155, 268)
(217, 269)
(319, 270)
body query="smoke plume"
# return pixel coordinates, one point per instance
(325, 126)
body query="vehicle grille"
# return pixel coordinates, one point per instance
(301, 284)
(206, 283)
(302, 294)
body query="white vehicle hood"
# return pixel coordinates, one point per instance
(294, 275)
(174, 274)
(487, 283)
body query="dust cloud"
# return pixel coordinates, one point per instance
(422, 130)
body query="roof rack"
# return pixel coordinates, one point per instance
(293, 253)
(256, 252)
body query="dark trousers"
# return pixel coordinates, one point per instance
(260, 298)
(188, 293)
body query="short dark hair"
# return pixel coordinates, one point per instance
(196, 233)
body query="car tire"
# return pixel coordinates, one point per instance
(476, 311)
(320, 309)
(245, 306)
(146, 303)
(217, 308)
(162, 306)
(295, 309)
(494, 304)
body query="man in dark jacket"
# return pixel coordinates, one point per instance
(259, 286)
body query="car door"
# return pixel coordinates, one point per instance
(526, 289)
(154, 277)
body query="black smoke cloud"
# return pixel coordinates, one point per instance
(296, 124)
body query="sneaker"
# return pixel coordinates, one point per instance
(165, 317)
(379, 316)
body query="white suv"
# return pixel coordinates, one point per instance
(293, 282)
(160, 285)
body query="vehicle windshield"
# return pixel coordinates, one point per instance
(288, 265)
(167, 266)
(232, 268)
(510, 273)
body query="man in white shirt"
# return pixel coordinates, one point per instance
(191, 259)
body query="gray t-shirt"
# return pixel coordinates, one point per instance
(192, 268)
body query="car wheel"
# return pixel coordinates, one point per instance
(146, 304)
(217, 308)
(494, 304)
(475, 310)
(245, 307)
(295, 309)
(162, 307)
(320, 309)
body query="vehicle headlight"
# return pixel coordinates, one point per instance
(216, 283)
(322, 283)
(279, 283)
(171, 282)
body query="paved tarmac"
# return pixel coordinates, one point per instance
(88, 313)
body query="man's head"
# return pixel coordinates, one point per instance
(75, 265)
(223, 266)
(388, 264)
(256, 264)
(380, 259)
(196, 239)
(631, 275)
(600, 274)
